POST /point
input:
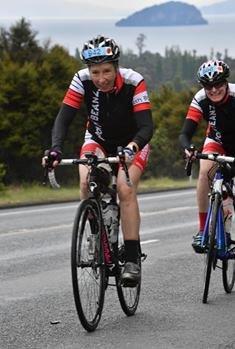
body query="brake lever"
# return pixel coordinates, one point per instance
(189, 162)
(45, 164)
(45, 176)
(124, 166)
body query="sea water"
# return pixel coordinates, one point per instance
(72, 33)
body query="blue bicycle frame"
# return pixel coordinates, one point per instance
(221, 244)
(214, 239)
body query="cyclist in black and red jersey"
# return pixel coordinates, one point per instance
(215, 103)
(119, 114)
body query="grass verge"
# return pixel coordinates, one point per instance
(32, 194)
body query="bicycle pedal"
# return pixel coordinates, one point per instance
(143, 256)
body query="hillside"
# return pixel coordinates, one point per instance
(222, 7)
(172, 13)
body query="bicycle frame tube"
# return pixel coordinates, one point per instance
(220, 236)
(206, 228)
(106, 248)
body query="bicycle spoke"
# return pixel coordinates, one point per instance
(88, 272)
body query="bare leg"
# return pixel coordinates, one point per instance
(203, 185)
(130, 216)
(83, 172)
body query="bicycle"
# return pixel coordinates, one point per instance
(96, 251)
(216, 242)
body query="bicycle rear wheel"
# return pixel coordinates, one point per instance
(211, 258)
(228, 266)
(228, 274)
(88, 272)
(128, 296)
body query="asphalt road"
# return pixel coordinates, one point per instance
(36, 303)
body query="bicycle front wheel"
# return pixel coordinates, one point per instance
(211, 258)
(128, 296)
(88, 272)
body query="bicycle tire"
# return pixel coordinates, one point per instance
(211, 252)
(87, 266)
(228, 274)
(228, 266)
(128, 296)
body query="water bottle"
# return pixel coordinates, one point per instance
(106, 214)
(111, 220)
(228, 209)
(115, 223)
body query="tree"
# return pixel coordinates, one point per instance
(140, 43)
(169, 109)
(20, 43)
(30, 96)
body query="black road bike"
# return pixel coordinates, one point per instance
(97, 253)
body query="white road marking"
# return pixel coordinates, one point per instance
(149, 241)
(168, 210)
(69, 226)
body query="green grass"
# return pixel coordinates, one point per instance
(165, 183)
(26, 194)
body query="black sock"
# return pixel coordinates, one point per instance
(131, 250)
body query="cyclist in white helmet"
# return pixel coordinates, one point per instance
(119, 114)
(215, 103)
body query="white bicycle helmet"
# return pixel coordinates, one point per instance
(100, 50)
(212, 72)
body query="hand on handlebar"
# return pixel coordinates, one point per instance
(51, 158)
(129, 154)
(191, 152)
(130, 150)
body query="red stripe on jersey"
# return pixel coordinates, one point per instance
(72, 98)
(194, 114)
(119, 82)
(141, 88)
(142, 106)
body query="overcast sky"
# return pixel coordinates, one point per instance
(81, 8)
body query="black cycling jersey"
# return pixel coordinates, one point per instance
(220, 119)
(114, 118)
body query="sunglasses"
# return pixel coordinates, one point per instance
(217, 85)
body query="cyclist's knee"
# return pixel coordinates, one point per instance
(126, 193)
(83, 189)
(203, 176)
(205, 167)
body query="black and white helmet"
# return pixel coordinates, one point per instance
(100, 50)
(212, 72)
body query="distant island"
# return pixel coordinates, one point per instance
(172, 13)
